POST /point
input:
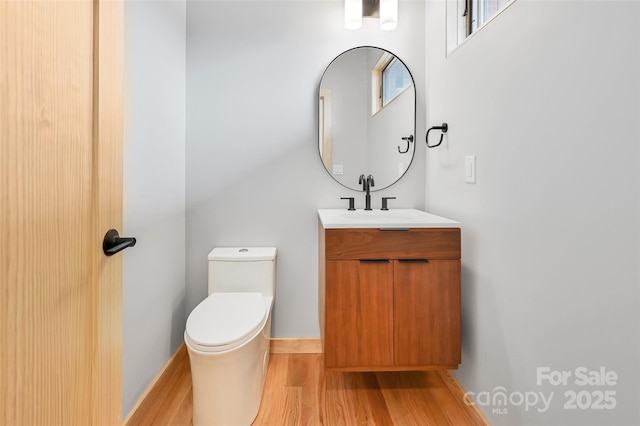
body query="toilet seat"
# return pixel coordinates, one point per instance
(224, 321)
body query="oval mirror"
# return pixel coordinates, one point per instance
(367, 109)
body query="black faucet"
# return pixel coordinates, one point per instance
(367, 183)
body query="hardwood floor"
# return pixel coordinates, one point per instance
(299, 392)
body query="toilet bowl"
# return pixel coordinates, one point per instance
(227, 336)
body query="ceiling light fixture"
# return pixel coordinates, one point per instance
(388, 14)
(352, 14)
(386, 10)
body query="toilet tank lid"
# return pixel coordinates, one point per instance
(242, 254)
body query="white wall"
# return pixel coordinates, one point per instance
(154, 191)
(254, 175)
(547, 97)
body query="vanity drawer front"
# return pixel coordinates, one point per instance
(415, 243)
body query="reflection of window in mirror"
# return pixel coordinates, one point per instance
(395, 78)
(389, 78)
(465, 17)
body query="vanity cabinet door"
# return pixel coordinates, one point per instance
(359, 314)
(427, 313)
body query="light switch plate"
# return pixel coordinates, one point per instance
(338, 169)
(470, 169)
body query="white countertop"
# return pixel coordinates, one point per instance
(392, 218)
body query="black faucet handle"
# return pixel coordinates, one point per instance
(384, 202)
(362, 180)
(351, 202)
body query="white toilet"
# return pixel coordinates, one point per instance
(227, 336)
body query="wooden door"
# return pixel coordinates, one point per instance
(427, 313)
(359, 301)
(60, 191)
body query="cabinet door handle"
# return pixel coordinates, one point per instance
(413, 260)
(374, 260)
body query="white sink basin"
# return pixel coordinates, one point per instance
(394, 218)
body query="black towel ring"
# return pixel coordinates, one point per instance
(409, 140)
(443, 128)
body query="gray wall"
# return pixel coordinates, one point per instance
(254, 176)
(154, 192)
(547, 97)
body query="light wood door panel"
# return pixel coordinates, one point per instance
(60, 190)
(427, 313)
(359, 315)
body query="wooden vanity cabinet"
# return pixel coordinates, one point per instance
(360, 313)
(426, 313)
(390, 300)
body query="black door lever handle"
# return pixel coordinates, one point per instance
(114, 243)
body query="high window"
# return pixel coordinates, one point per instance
(465, 17)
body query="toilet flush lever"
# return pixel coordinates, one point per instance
(113, 242)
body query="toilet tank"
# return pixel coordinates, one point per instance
(243, 269)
